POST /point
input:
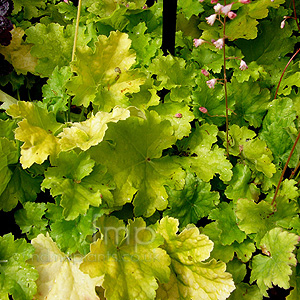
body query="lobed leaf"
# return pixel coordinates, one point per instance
(59, 275)
(128, 258)
(191, 278)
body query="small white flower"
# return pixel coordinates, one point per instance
(211, 19)
(198, 42)
(211, 83)
(219, 43)
(243, 66)
(282, 24)
(226, 9)
(218, 8)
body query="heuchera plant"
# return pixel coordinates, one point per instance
(136, 175)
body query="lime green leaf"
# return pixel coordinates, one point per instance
(191, 278)
(254, 151)
(190, 7)
(251, 102)
(240, 185)
(244, 25)
(253, 216)
(179, 116)
(259, 157)
(23, 186)
(212, 100)
(254, 72)
(59, 275)
(274, 268)
(147, 96)
(35, 130)
(105, 84)
(227, 222)
(90, 132)
(129, 259)
(30, 219)
(71, 236)
(261, 217)
(8, 156)
(7, 100)
(238, 136)
(105, 8)
(52, 45)
(78, 181)
(7, 128)
(144, 43)
(132, 153)
(207, 160)
(17, 278)
(172, 72)
(31, 8)
(54, 92)
(193, 202)
(208, 57)
(18, 53)
(243, 250)
(276, 131)
(237, 269)
(264, 48)
(246, 292)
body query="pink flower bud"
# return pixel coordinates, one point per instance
(127, 5)
(203, 110)
(231, 15)
(178, 115)
(244, 1)
(211, 83)
(205, 72)
(66, 1)
(214, 1)
(226, 9)
(145, 7)
(282, 24)
(219, 43)
(211, 19)
(201, 1)
(218, 8)
(243, 66)
(198, 42)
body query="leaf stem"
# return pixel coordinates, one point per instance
(295, 14)
(285, 167)
(284, 72)
(296, 141)
(225, 88)
(76, 30)
(73, 52)
(295, 170)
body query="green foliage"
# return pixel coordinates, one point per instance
(279, 131)
(193, 202)
(105, 84)
(138, 175)
(191, 276)
(275, 266)
(128, 255)
(81, 185)
(137, 164)
(17, 277)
